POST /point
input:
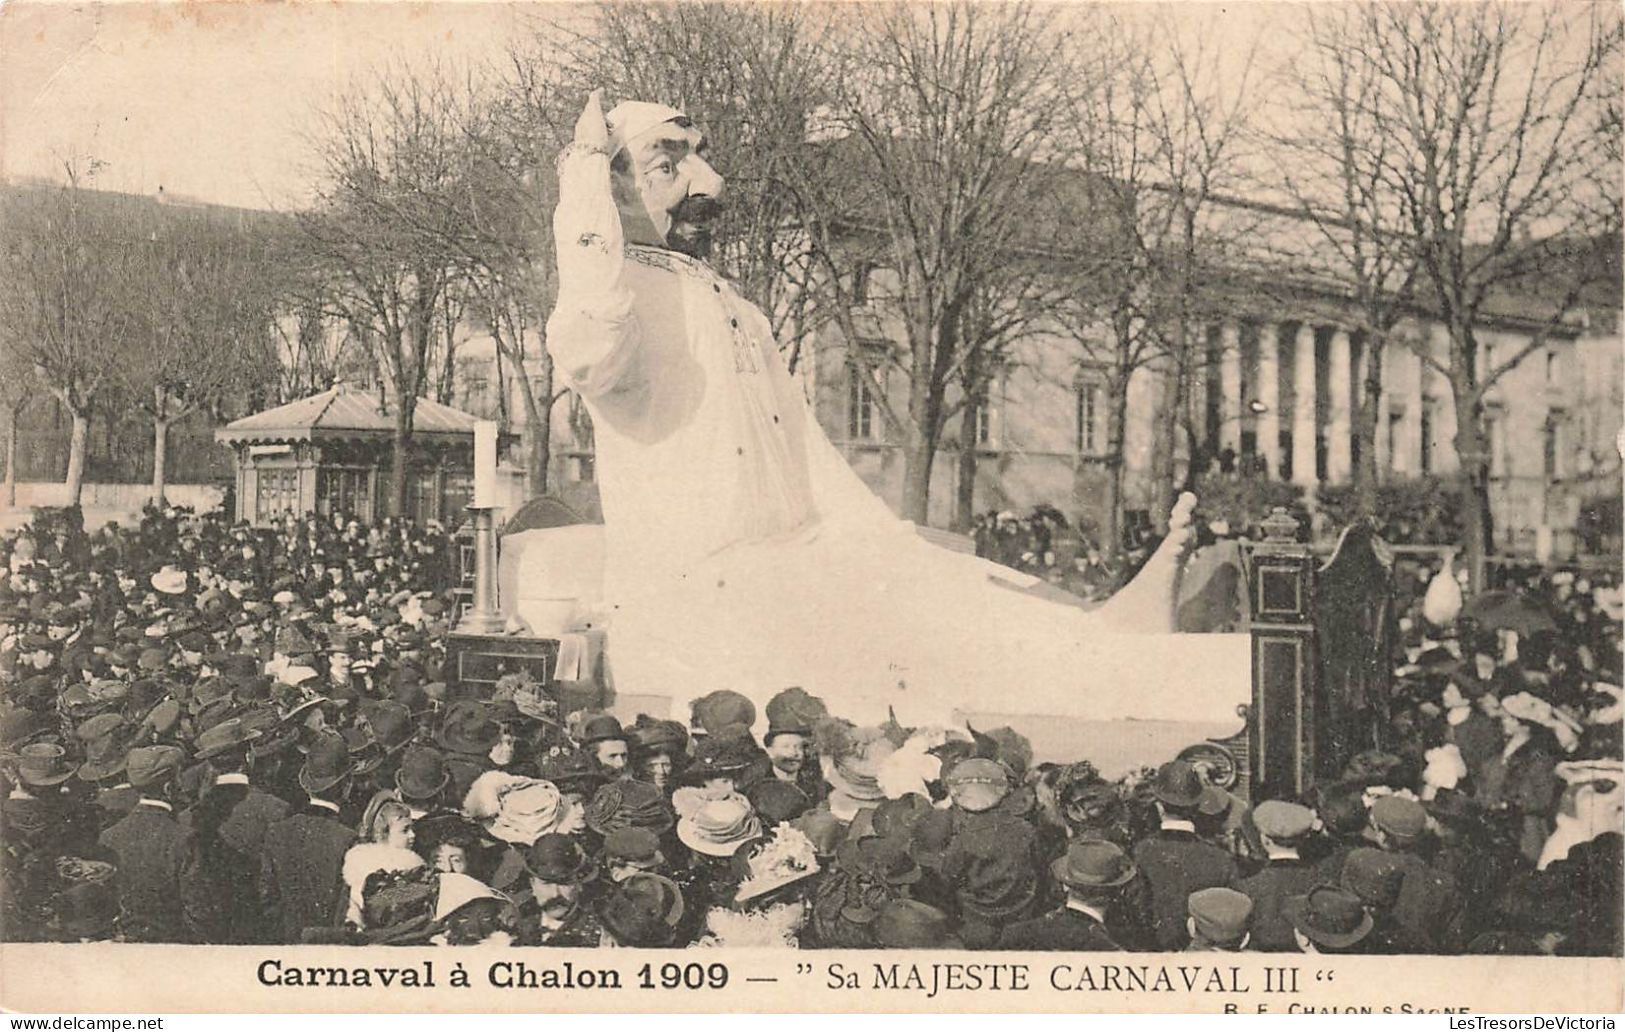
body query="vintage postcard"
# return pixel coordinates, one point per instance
(903, 507)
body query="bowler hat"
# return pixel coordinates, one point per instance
(644, 911)
(422, 774)
(1329, 916)
(602, 727)
(558, 859)
(1220, 914)
(928, 840)
(153, 765)
(43, 764)
(1180, 785)
(1093, 865)
(327, 763)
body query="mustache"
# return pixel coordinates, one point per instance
(697, 209)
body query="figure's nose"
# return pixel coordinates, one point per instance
(704, 181)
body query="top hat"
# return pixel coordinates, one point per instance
(1329, 916)
(327, 763)
(1093, 865)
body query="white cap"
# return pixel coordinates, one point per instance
(632, 118)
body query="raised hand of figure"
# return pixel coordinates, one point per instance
(586, 224)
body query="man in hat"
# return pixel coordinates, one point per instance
(1176, 861)
(556, 910)
(1094, 875)
(603, 737)
(1218, 921)
(302, 858)
(1429, 906)
(153, 851)
(690, 400)
(39, 823)
(1328, 919)
(788, 752)
(229, 822)
(1282, 828)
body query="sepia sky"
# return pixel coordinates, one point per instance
(215, 100)
(210, 100)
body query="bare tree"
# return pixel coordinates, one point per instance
(1198, 110)
(948, 113)
(1489, 111)
(65, 294)
(204, 314)
(1334, 165)
(18, 385)
(391, 155)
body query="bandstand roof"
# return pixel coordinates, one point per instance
(341, 413)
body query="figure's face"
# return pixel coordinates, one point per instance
(611, 754)
(667, 192)
(788, 752)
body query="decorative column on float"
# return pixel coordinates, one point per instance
(483, 616)
(1281, 731)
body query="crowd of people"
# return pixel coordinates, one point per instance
(214, 733)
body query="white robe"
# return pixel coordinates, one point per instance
(743, 552)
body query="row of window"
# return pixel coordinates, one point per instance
(864, 424)
(349, 490)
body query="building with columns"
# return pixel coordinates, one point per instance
(1274, 391)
